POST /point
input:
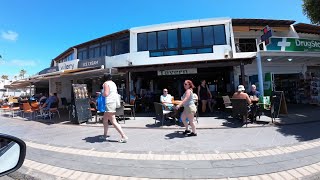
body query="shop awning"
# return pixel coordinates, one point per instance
(185, 65)
(18, 84)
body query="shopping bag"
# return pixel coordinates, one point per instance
(101, 103)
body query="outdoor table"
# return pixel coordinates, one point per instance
(176, 102)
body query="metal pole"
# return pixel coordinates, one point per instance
(260, 73)
(243, 81)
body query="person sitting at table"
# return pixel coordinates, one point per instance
(166, 99)
(133, 97)
(51, 102)
(254, 91)
(240, 94)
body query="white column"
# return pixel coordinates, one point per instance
(260, 74)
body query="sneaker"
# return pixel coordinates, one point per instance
(192, 134)
(186, 132)
(103, 137)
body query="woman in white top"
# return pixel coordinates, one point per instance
(111, 94)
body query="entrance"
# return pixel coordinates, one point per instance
(290, 85)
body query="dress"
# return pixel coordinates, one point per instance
(111, 97)
(203, 93)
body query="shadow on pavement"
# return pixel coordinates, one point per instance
(95, 139)
(304, 120)
(176, 134)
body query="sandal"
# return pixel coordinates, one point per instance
(186, 132)
(123, 140)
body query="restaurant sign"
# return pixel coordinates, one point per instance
(177, 72)
(293, 45)
(49, 70)
(90, 63)
(68, 65)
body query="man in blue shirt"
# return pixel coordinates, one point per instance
(254, 91)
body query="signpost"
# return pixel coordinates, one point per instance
(80, 111)
(267, 33)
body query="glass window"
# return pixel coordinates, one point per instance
(170, 53)
(91, 53)
(156, 54)
(219, 35)
(208, 35)
(172, 39)
(142, 42)
(196, 36)
(122, 46)
(162, 40)
(103, 50)
(109, 49)
(189, 51)
(97, 52)
(152, 41)
(205, 50)
(186, 37)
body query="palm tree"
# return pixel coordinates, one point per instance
(22, 73)
(4, 77)
(15, 77)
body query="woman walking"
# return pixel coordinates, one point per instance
(189, 108)
(110, 92)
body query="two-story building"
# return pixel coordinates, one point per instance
(225, 52)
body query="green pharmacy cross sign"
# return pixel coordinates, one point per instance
(293, 45)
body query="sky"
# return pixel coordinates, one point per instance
(34, 32)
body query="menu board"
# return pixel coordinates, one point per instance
(81, 104)
(279, 104)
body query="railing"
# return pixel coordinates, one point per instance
(246, 47)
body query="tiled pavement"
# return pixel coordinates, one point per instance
(76, 152)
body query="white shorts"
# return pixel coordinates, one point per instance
(111, 107)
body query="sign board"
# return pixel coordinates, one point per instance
(279, 104)
(81, 104)
(177, 72)
(68, 65)
(267, 33)
(49, 70)
(90, 63)
(293, 45)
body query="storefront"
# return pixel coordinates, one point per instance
(292, 69)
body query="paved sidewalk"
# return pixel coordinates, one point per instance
(77, 152)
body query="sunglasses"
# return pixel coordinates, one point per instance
(165, 91)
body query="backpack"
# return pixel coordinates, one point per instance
(101, 103)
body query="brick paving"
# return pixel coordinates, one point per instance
(77, 152)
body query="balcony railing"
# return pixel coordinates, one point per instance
(246, 47)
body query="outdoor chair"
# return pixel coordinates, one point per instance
(120, 112)
(27, 109)
(15, 108)
(53, 109)
(240, 109)
(159, 108)
(227, 103)
(130, 108)
(65, 103)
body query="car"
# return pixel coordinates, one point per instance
(12, 153)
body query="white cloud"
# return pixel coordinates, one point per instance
(21, 63)
(9, 35)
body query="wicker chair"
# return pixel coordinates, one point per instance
(240, 109)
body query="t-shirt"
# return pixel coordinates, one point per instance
(113, 93)
(256, 93)
(166, 99)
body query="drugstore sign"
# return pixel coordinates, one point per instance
(293, 45)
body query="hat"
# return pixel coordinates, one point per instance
(241, 88)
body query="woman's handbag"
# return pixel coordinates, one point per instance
(101, 103)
